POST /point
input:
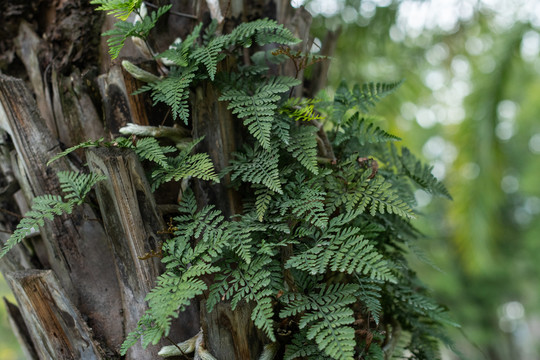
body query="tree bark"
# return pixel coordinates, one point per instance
(80, 283)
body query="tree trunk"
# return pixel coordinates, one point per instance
(80, 282)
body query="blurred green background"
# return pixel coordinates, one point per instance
(470, 105)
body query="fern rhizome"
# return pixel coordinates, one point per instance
(319, 249)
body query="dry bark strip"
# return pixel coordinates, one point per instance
(57, 328)
(76, 245)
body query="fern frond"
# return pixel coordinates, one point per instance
(305, 201)
(148, 148)
(178, 52)
(124, 29)
(301, 109)
(370, 94)
(345, 251)
(302, 348)
(174, 91)
(83, 145)
(209, 55)
(185, 165)
(247, 282)
(379, 196)
(258, 108)
(369, 294)
(43, 207)
(265, 31)
(363, 131)
(263, 196)
(327, 317)
(257, 166)
(303, 146)
(120, 9)
(422, 175)
(76, 185)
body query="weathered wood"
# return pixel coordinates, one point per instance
(76, 117)
(77, 245)
(20, 330)
(231, 335)
(116, 106)
(28, 45)
(57, 328)
(133, 225)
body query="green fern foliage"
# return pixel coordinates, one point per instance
(363, 132)
(120, 9)
(43, 207)
(83, 145)
(265, 32)
(248, 282)
(173, 91)
(123, 29)
(377, 195)
(327, 316)
(75, 185)
(303, 146)
(258, 107)
(257, 166)
(421, 174)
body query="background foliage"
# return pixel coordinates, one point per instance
(470, 105)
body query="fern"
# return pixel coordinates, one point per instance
(83, 145)
(370, 94)
(120, 9)
(363, 132)
(247, 282)
(173, 91)
(148, 148)
(265, 31)
(303, 146)
(370, 295)
(257, 166)
(300, 348)
(421, 174)
(378, 195)
(43, 207)
(178, 52)
(210, 55)
(344, 251)
(75, 185)
(185, 165)
(327, 316)
(123, 29)
(258, 107)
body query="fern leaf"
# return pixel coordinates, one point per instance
(120, 9)
(370, 295)
(76, 185)
(257, 166)
(83, 145)
(258, 108)
(303, 146)
(327, 317)
(263, 197)
(345, 251)
(363, 131)
(422, 174)
(123, 30)
(174, 91)
(209, 55)
(43, 207)
(148, 148)
(379, 196)
(370, 94)
(265, 31)
(247, 282)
